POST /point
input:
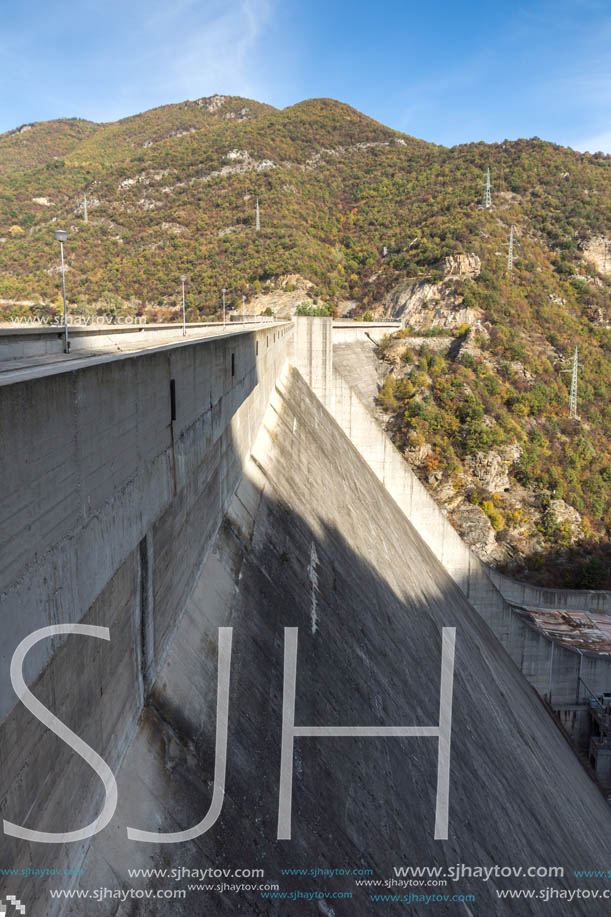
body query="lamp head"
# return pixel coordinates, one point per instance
(61, 235)
(183, 277)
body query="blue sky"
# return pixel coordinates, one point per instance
(448, 72)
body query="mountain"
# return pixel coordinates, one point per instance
(31, 146)
(173, 190)
(357, 216)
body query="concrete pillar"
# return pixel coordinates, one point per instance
(313, 355)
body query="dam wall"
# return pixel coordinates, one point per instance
(313, 545)
(562, 676)
(144, 493)
(116, 477)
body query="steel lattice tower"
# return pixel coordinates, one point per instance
(487, 191)
(574, 379)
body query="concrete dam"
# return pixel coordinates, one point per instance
(302, 666)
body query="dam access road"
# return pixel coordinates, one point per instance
(27, 351)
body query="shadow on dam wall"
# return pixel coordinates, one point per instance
(312, 540)
(94, 531)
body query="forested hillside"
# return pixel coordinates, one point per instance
(374, 222)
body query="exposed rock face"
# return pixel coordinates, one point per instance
(417, 454)
(243, 162)
(212, 103)
(475, 527)
(510, 452)
(421, 304)
(293, 280)
(597, 250)
(240, 115)
(291, 290)
(468, 265)
(520, 370)
(173, 227)
(472, 342)
(599, 318)
(567, 514)
(448, 497)
(345, 306)
(396, 352)
(489, 470)
(237, 155)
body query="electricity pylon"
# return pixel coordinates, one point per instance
(510, 252)
(574, 378)
(487, 191)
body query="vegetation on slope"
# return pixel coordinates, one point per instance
(357, 209)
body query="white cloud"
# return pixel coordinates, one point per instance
(220, 55)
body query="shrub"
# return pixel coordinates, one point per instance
(494, 514)
(386, 395)
(404, 389)
(384, 346)
(305, 308)
(593, 574)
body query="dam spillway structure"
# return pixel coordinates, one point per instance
(274, 596)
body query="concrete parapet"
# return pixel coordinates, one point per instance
(346, 332)
(542, 597)
(22, 341)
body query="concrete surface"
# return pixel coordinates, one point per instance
(349, 332)
(110, 510)
(373, 657)
(358, 364)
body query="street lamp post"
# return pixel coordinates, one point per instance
(224, 319)
(184, 314)
(243, 305)
(61, 235)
